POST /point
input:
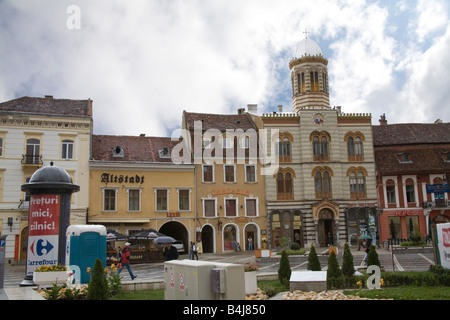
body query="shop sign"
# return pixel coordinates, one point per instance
(173, 214)
(114, 178)
(403, 213)
(218, 191)
(443, 231)
(437, 188)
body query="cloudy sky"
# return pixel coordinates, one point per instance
(143, 62)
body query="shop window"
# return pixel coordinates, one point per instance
(229, 237)
(412, 226)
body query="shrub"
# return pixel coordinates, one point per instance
(98, 287)
(372, 258)
(313, 260)
(335, 277)
(348, 268)
(284, 271)
(295, 246)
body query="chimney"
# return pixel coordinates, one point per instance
(48, 97)
(241, 110)
(338, 109)
(383, 121)
(252, 108)
(280, 108)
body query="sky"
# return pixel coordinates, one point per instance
(143, 62)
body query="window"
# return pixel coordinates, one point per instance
(324, 81)
(284, 147)
(357, 185)
(229, 173)
(395, 227)
(207, 142)
(183, 200)
(67, 149)
(250, 208)
(250, 173)
(245, 142)
(284, 184)
(208, 175)
(209, 208)
(161, 200)
(410, 194)
(134, 200)
(320, 142)
(230, 207)
(314, 79)
(322, 182)
(1, 147)
(227, 142)
(404, 157)
(32, 151)
(354, 148)
(109, 201)
(301, 82)
(390, 192)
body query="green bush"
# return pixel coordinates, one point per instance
(284, 271)
(372, 258)
(313, 260)
(348, 268)
(335, 278)
(98, 286)
(295, 246)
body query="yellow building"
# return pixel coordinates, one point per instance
(229, 185)
(134, 185)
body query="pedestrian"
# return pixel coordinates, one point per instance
(250, 243)
(191, 251)
(119, 254)
(367, 249)
(195, 250)
(170, 252)
(125, 260)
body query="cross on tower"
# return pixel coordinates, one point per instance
(306, 33)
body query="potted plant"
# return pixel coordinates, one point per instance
(250, 277)
(49, 275)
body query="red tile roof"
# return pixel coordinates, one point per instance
(220, 122)
(411, 133)
(135, 148)
(48, 106)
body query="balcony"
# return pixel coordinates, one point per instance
(31, 160)
(436, 204)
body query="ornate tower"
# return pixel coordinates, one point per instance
(309, 77)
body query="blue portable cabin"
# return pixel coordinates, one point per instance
(85, 244)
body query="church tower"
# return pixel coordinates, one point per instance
(309, 76)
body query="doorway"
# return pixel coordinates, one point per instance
(207, 239)
(326, 228)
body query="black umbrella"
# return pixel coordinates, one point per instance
(164, 239)
(146, 235)
(113, 235)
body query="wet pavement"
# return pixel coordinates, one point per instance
(14, 274)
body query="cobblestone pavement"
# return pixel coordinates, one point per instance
(14, 274)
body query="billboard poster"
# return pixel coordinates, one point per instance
(43, 231)
(443, 231)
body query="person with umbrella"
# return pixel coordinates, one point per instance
(170, 252)
(125, 260)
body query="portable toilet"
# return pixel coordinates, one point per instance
(85, 244)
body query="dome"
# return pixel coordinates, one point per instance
(50, 177)
(308, 47)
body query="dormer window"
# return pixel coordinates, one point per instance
(164, 153)
(445, 156)
(117, 152)
(403, 157)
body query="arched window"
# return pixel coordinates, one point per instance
(284, 184)
(314, 80)
(301, 82)
(284, 147)
(32, 153)
(354, 146)
(357, 178)
(322, 182)
(320, 141)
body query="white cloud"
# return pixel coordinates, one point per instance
(143, 62)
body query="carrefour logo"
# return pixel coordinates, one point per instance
(41, 247)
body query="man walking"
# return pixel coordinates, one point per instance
(125, 260)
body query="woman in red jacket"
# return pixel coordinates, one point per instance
(125, 260)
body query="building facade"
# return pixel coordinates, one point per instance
(324, 191)
(135, 185)
(34, 132)
(229, 186)
(413, 169)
